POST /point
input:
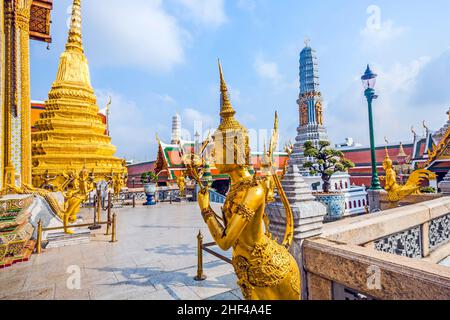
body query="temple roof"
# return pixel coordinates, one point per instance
(169, 158)
(441, 152)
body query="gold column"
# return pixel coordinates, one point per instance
(2, 88)
(23, 22)
(9, 93)
(17, 108)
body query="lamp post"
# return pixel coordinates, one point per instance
(369, 81)
(132, 179)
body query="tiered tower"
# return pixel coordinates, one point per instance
(310, 104)
(70, 133)
(176, 129)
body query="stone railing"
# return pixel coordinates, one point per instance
(409, 200)
(389, 255)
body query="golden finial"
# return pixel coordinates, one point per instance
(75, 40)
(274, 139)
(226, 109)
(227, 113)
(414, 132)
(425, 127)
(108, 105)
(402, 152)
(386, 147)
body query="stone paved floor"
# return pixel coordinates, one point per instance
(155, 258)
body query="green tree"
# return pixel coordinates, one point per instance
(148, 177)
(327, 161)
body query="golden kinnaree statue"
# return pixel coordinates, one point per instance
(74, 196)
(265, 269)
(396, 191)
(181, 182)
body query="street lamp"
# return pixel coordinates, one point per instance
(369, 80)
(132, 179)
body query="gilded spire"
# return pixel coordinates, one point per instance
(402, 152)
(386, 149)
(73, 65)
(227, 113)
(75, 40)
(226, 109)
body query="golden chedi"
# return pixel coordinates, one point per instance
(265, 269)
(70, 133)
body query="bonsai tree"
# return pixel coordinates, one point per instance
(327, 161)
(428, 190)
(149, 177)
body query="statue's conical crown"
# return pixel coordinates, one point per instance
(387, 157)
(227, 113)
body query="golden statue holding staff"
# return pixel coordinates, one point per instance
(266, 270)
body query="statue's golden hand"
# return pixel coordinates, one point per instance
(203, 199)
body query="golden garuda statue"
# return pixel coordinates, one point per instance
(265, 269)
(396, 191)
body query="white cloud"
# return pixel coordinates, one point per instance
(194, 121)
(394, 111)
(381, 34)
(191, 116)
(433, 83)
(235, 94)
(210, 12)
(132, 128)
(267, 70)
(138, 33)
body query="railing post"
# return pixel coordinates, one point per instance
(200, 276)
(97, 212)
(134, 200)
(109, 201)
(425, 230)
(109, 222)
(99, 206)
(114, 228)
(39, 238)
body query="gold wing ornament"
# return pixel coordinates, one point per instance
(289, 233)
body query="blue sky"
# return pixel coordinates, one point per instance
(158, 57)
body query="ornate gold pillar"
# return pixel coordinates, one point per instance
(23, 23)
(9, 95)
(2, 89)
(17, 113)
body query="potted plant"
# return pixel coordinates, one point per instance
(149, 180)
(326, 162)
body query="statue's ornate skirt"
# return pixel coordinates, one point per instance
(269, 265)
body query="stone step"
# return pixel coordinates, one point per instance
(60, 239)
